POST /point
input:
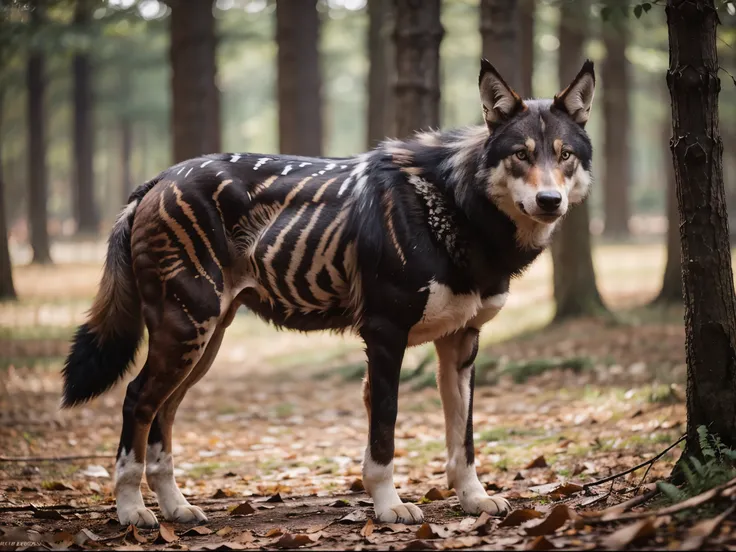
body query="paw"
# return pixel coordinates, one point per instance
(492, 505)
(401, 513)
(143, 518)
(186, 513)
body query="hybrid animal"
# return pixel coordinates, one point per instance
(415, 241)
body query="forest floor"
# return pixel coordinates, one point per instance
(278, 424)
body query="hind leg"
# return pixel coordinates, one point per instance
(175, 347)
(159, 460)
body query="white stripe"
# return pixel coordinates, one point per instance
(304, 164)
(287, 170)
(234, 158)
(219, 173)
(330, 166)
(261, 161)
(181, 170)
(203, 165)
(190, 170)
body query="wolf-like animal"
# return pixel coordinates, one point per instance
(415, 241)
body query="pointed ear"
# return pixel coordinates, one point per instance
(498, 99)
(576, 99)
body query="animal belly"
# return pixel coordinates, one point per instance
(445, 312)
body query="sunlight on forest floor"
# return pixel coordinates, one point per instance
(281, 412)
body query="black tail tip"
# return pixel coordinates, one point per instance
(94, 366)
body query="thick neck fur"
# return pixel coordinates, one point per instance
(455, 163)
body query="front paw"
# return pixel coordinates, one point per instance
(492, 505)
(401, 513)
(143, 518)
(188, 514)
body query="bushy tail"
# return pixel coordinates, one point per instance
(104, 347)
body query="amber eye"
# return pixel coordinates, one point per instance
(522, 155)
(565, 155)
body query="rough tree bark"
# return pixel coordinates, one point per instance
(575, 289)
(7, 290)
(85, 209)
(37, 177)
(526, 31)
(195, 121)
(671, 292)
(697, 150)
(616, 115)
(299, 78)
(381, 73)
(499, 31)
(417, 35)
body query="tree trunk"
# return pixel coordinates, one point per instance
(671, 292)
(299, 78)
(417, 37)
(575, 289)
(196, 99)
(616, 113)
(381, 73)
(499, 31)
(526, 29)
(697, 150)
(85, 210)
(7, 290)
(37, 177)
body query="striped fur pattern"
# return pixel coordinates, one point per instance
(413, 242)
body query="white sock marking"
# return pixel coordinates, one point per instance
(128, 476)
(160, 477)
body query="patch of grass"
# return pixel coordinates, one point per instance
(283, 410)
(204, 470)
(521, 371)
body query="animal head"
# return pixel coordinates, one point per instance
(538, 154)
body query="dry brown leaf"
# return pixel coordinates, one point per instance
(639, 530)
(368, 528)
(245, 537)
(461, 542)
(356, 516)
(197, 531)
(568, 489)
(420, 545)
(132, 534)
(223, 546)
(85, 535)
(517, 517)
(428, 531)
(57, 486)
(129, 547)
(539, 543)
(538, 462)
(554, 520)
(224, 531)
(165, 535)
(243, 509)
(434, 494)
(482, 524)
(275, 532)
(317, 528)
(275, 498)
(295, 541)
(223, 493)
(48, 514)
(393, 528)
(357, 486)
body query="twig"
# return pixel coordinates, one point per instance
(638, 466)
(53, 458)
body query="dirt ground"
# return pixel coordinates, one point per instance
(277, 430)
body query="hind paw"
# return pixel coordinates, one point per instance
(187, 513)
(143, 518)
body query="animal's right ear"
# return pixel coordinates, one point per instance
(498, 99)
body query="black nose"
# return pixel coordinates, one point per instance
(549, 201)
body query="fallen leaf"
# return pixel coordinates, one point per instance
(518, 477)
(640, 530)
(539, 543)
(243, 509)
(245, 537)
(165, 535)
(568, 489)
(356, 516)
(428, 531)
(197, 531)
(94, 486)
(339, 503)
(275, 498)
(517, 517)
(554, 520)
(368, 528)
(220, 493)
(85, 535)
(62, 540)
(357, 486)
(95, 470)
(420, 545)
(291, 541)
(275, 532)
(393, 528)
(482, 524)
(224, 531)
(132, 534)
(538, 462)
(223, 546)
(461, 542)
(48, 514)
(57, 486)
(434, 494)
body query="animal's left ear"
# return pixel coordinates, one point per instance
(498, 99)
(576, 99)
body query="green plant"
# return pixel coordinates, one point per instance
(717, 467)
